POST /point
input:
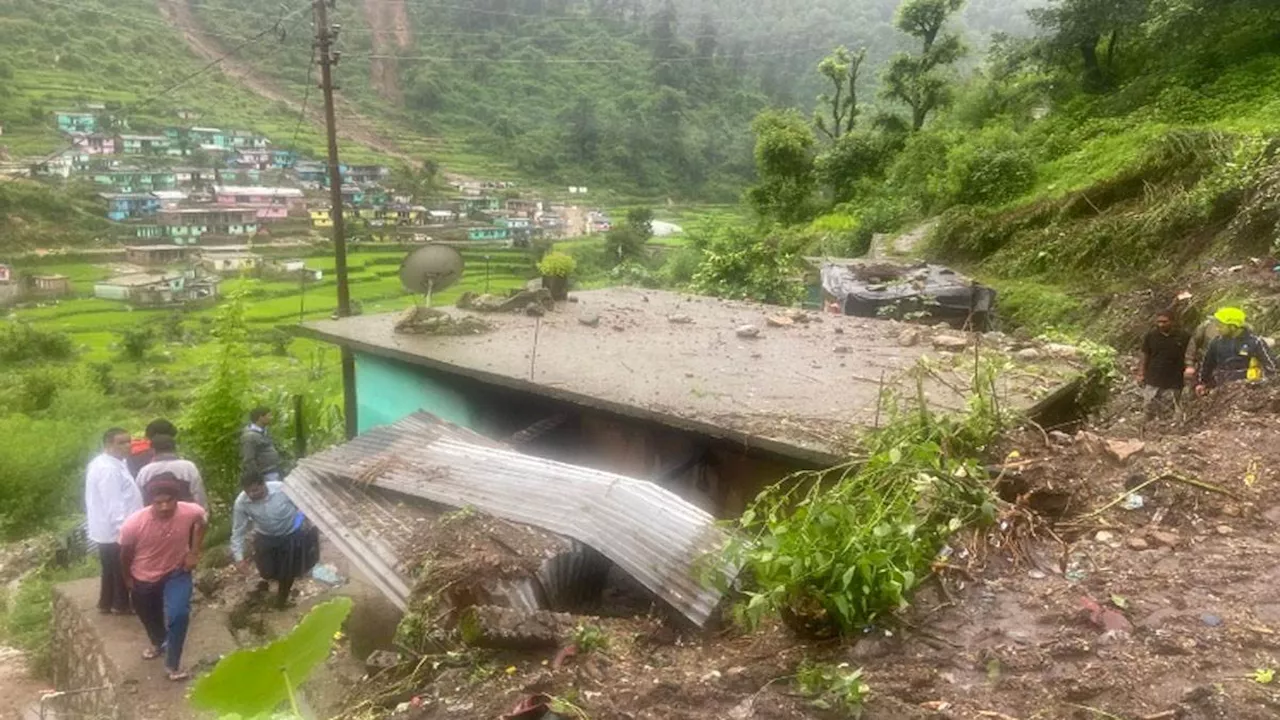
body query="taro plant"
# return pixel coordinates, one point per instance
(255, 682)
(833, 687)
(834, 551)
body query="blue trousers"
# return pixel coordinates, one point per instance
(164, 607)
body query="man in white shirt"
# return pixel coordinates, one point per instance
(110, 496)
(166, 460)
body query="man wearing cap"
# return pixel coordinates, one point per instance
(1236, 354)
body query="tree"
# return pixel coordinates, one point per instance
(136, 342)
(1092, 28)
(212, 423)
(784, 166)
(740, 265)
(841, 68)
(641, 220)
(852, 158)
(917, 80)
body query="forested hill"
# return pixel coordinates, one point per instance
(647, 95)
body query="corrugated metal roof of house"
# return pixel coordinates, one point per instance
(366, 494)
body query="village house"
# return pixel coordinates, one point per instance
(188, 225)
(257, 158)
(194, 176)
(523, 208)
(440, 217)
(272, 203)
(10, 291)
(283, 159)
(711, 417)
(169, 199)
(6, 273)
(241, 140)
(50, 285)
(236, 261)
(141, 144)
(129, 206)
(488, 234)
(238, 176)
(157, 254)
(75, 122)
(476, 205)
(147, 289)
(208, 138)
(94, 143)
(365, 174)
(134, 180)
(321, 217)
(312, 174)
(59, 166)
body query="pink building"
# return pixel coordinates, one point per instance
(270, 203)
(94, 143)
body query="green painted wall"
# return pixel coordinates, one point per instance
(387, 391)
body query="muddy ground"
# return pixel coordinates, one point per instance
(1091, 611)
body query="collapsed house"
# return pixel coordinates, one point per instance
(624, 424)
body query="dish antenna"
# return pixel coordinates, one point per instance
(431, 268)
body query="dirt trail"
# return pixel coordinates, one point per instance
(389, 20)
(352, 125)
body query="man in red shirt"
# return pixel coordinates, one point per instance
(159, 547)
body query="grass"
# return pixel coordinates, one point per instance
(27, 622)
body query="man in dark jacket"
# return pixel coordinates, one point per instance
(258, 454)
(1236, 354)
(1161, 374)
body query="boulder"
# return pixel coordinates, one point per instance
(950, 342)
(748, 332)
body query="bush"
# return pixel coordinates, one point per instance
(990, 175)
(680, 266)
(20, 343)
(737, 264)
(557, 264)
(135, 343)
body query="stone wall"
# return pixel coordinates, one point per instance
(81, 663)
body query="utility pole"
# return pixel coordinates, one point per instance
(325, 35)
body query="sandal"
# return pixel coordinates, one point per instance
(178, 675)
(151, 653)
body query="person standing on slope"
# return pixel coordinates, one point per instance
(1235, 354)
(1164, 350)
(110, 496)
(258, 454)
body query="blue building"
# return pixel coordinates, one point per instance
(127, 206)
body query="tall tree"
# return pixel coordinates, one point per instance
(841, 67)
(917, 80)
(1093, 30)
(784, 166)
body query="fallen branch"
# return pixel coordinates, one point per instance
(1198, 484)
(994, 714)
(1119, 499)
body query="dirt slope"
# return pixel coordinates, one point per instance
(389, 20)
(352, 125)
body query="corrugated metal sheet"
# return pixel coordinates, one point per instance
(649, 532)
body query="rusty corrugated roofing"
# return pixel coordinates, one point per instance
(648, 531)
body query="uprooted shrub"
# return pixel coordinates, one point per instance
(833, 551)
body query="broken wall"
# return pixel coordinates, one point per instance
(81, 665)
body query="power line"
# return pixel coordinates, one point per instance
(577, 61)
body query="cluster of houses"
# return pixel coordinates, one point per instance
(189, 185)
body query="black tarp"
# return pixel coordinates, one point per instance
(921, 292)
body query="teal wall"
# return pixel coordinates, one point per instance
(387, 390)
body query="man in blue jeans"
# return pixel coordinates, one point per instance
(159, 547)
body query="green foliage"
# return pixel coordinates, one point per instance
(833, 687)
(135, 343)
(220, 406)
(640, 220)
(22, 343)
(557, 264)
(258, 680)
(590, 638)
(624, 243)
(742, 265)
(990, 175)
(917, 80)
(28, 622)
(841, 69)
(784, 166)
(835, 550)
(854, 158)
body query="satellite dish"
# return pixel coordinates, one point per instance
(431, 268)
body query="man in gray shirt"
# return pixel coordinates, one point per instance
(258, 454)
(286, 545)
